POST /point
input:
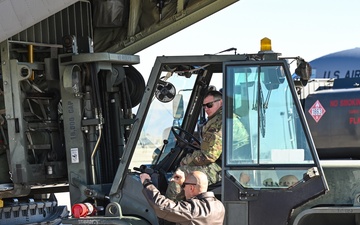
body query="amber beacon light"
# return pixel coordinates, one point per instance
(265, 44)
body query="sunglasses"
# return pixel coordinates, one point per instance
(210, 104)
(184, 184)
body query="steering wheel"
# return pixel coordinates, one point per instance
(188, 139)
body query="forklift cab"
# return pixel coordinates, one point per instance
(276, 172)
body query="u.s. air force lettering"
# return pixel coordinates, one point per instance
(340, 73)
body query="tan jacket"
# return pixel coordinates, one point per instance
(200, 210)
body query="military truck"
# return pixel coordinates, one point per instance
(332, 112)
(288, 132)
(258, 88)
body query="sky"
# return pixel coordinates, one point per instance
(307, 28)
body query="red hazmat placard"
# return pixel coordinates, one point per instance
(317, 111)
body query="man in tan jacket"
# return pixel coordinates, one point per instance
(200, 206)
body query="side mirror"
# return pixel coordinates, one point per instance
(178, 107)
(303, 71)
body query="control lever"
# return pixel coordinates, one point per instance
(154, 174)
(161, 151)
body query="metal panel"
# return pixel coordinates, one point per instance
(74, 20)
(164, 28)
(16, 16)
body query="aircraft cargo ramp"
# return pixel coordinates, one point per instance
(121, 26)
(17, 16)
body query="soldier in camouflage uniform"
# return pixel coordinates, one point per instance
(208, 158)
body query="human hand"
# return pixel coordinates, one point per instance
(144, 176)
(178, 177)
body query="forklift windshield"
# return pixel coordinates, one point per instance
(259, 96)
